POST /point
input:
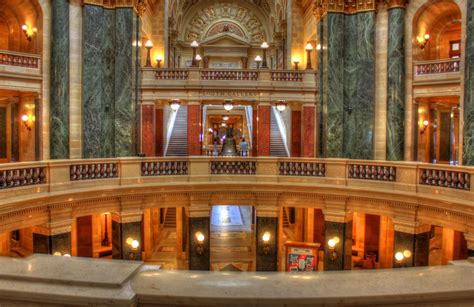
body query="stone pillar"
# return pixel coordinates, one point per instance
(309, 225)
(148, 130)
(309, 131)
(59, 100)
(194, 129)
(127, 225)
(422, 245)
(331, 78)
(468, 108)
(263, 129)
(38, 127)
(267, 221)
(404, 240)
(386, 243)
(255, 130)
(199, 222)
(469, 236)
(159, 132)
(396, 83)
(15, 131)
(338, 224)
(53, 238)
(295, 132)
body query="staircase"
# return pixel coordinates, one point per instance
(178, 144)
(277, 147)
(170, 218)
(286, 220)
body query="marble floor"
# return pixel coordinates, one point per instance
(164, 254)
(232, 239)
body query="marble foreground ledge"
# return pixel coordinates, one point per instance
(42, 280)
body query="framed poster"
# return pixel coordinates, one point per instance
(301, 256)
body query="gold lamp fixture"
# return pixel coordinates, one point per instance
(332, 248)
(25, 119)
(30, 32)
(402, 257)
(426, 123)
(200, 243)
(266, 243)
(148, 46)
(296, 61)
(175, 104)
(281, 105)
(309, 48)
(134, 245)
(423, 40)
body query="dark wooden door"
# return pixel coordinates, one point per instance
(84, 236)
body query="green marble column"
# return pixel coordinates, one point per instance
(332, 90)
(468, 149)
(396, 85)
(107, 82)
(59, 100)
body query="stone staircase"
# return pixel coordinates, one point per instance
(286, 219)
(170, 218)
(277, 147)
(178, 145)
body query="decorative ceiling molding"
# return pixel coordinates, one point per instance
(141, 6)
(348, 7)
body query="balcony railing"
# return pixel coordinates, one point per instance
(172, 74)
(236, 75)
(19, 59)
(437, 67)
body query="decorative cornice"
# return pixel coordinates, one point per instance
(349, 7)
(141, 6)
(391, 4)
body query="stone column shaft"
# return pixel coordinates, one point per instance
(396, 85)
(468, 108)
(309, 131)
(263, 126)
(59, 102)
(148, 130)
(194, 129)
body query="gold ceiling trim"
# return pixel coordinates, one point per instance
(349, 7)
(140, 6)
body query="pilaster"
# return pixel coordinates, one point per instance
(267, 225)
(263, 129)
(126, 227)
(194, 128)
(199, 224)
(338, 227)
(148, 129)
(309, 131)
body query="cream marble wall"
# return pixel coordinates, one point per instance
(381, 44)
(46, 10)
(75, 79)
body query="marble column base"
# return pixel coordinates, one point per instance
(266, 258)
(199, 254)
(44, 244)
(120, 233)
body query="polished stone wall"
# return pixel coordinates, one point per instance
(396, 85)
(334, 229)
(107, 82)
(422, 249)
(403, 241)
(59, 102)
(266, 262)
(44, 244)
(120, 233)
(468, 109)
(348, 85)
(199, 262)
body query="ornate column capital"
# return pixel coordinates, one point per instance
(391, 4)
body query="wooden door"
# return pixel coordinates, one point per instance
(84, 236)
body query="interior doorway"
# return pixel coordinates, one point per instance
(232, 238)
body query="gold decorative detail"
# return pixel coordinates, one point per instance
(396, 3)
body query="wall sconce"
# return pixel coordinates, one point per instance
(296, 61)
(134, 244)
(309, 48)
(401, 257)
(174, 104)
(158, 62)
(264, 46)
(426, 123)
(29, 32)
(105, 241)
(423, 40)
(26, 119)
(58, 254)
(225, 118)
(228, 105)
(200, 243)
(281, 105)
(318, 47)
(194, 45)
(258, 60)
(332, 248)
(148, 46)
(266, 243)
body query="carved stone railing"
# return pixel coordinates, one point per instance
(291, 76)
(236, 75)
(172, 74)
(372, 172)
(302, 169)
(233, 167)
(93, 171)
(445, 179)
(20, 177)
(165, 168)
(437, 67)
(19, 59)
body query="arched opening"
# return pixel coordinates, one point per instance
(437, 49)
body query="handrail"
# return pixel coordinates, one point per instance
(437, 66)
(14, 58)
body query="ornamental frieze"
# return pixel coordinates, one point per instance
(217, 93)
(322, 7)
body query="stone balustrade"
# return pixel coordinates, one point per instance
(437, 66)
(416, 179)
(20, 59)
(237, 75)
(285, 76)
(41, 280)
(172, 74)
